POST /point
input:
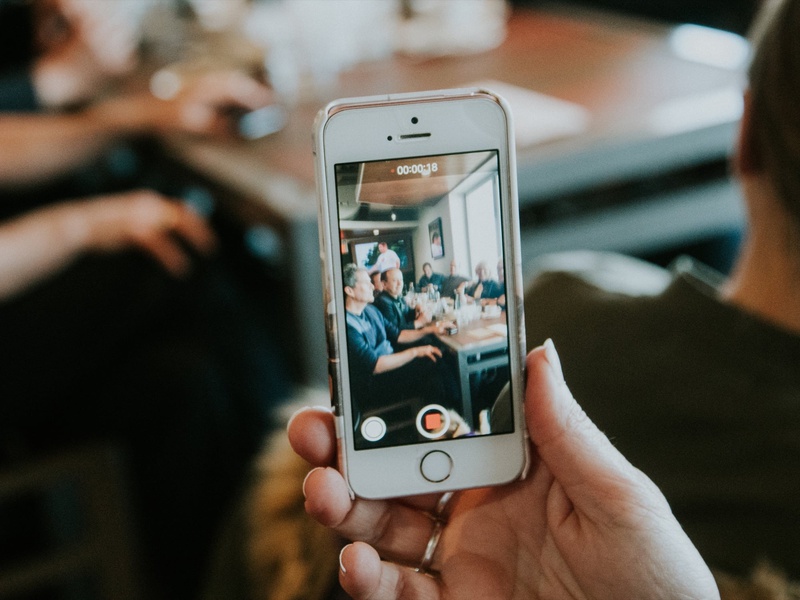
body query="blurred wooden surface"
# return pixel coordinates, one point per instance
(622, 70)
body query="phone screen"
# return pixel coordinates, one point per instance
(421, 241)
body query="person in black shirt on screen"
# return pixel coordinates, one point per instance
(429, 278)
(394, 307)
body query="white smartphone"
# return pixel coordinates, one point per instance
(418, 195)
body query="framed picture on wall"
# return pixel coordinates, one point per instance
(435, 236)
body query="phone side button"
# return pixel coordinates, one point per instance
(436, 466)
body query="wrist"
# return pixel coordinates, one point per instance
(125, 115)
(73, 228)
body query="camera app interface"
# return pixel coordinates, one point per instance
(421, 244)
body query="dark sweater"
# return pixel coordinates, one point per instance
(702, 397)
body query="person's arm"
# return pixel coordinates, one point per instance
(472, 290)
(38, 147)
(494, 293)
(419, 317)
(395, 360)
(40, 243)
(389, 362)
(583, 524)
(408, 336)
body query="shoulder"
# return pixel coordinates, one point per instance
(607, 294)
(606, 271)
(371, 312)
(375, 316)
(382, 300)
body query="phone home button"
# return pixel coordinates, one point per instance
(436, 466)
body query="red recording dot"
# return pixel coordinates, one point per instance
(392, 170)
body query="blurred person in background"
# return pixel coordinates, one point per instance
(81, 51)
(453, 283)
(484, 287)
(429, 278)
(118, 319)
(387, 259)
(500, 298)
(693, 375)
(377, 283)
(393, 305)
(62, 53)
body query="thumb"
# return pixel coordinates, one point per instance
(577, 453)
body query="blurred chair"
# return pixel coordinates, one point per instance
(78, 504)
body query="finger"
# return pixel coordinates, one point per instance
(398, 531)
(193, 229)
(573, 448)
(312, 435)
(167, 252)
(364, 576)
(233, 89)
(200, 118)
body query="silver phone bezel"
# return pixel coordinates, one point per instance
(497, 458)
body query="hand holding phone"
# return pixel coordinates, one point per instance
(408, 182)
(584, 518)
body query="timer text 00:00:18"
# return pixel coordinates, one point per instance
(417, 169)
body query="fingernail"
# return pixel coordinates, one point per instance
(306, 479)
(341, 564)
(297, 412)
(551, 355)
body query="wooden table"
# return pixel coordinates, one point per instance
(479, 346)
(621, 69)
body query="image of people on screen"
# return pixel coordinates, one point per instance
(390, 368)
